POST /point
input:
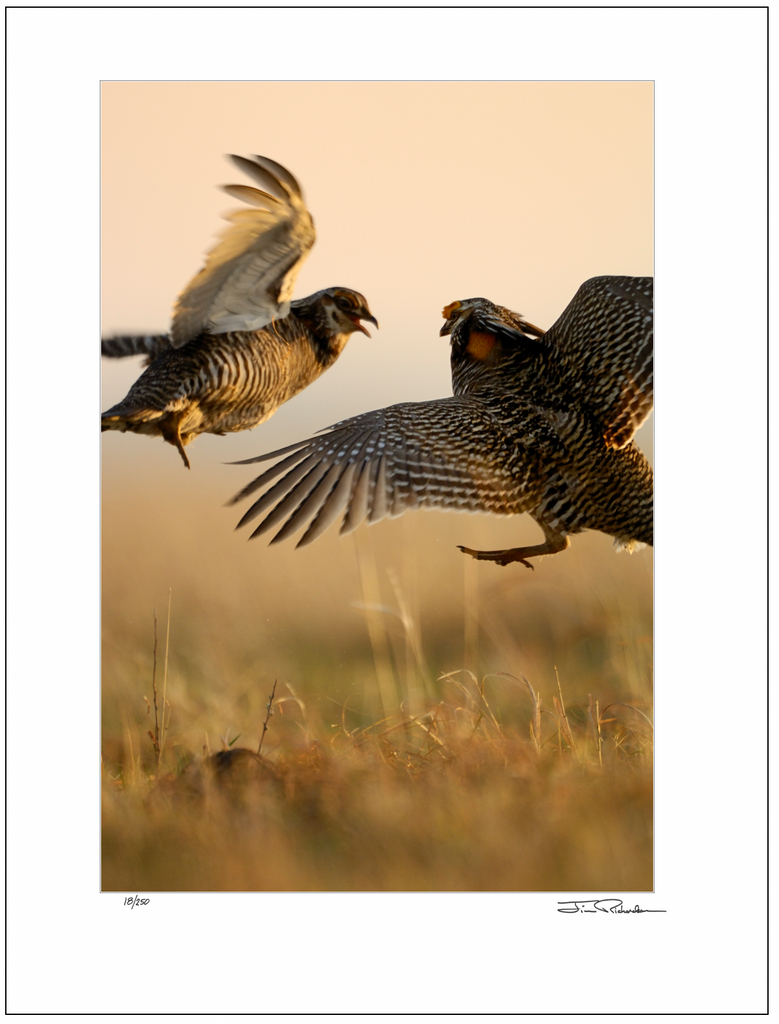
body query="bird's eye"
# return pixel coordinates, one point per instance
(344, 302)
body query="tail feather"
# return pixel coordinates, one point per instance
(149, 345)
(124, 416)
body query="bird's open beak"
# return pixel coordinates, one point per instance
(364, 316)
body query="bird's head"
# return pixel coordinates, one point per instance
(477, 324)
(457, 313)
(483, 337)
(344, 309)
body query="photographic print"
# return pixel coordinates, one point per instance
(377, 505)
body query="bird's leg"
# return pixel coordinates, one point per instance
(554, 542)
(171, 431)
(180, 447)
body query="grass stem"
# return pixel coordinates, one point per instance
(269, 709)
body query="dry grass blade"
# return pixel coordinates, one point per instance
(470, 707)
(269, 710)
(434, 721)
(600, 740)
(594, 718)
(130, 748)
(413, 640)
(478, 687)
(564, 717)
(371, 595)
(619, 704)
(165, 678)
(471, 612)
(302, 707)
(535, 724)
(155, 738)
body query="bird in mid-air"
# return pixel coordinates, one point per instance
(238, 347)
(540, 422)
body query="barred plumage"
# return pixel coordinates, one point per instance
(238, 347)
(539, 423)
(149, 345)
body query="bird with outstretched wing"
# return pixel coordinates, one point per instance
(540, 422)
(239, 345)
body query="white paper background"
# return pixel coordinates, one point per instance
(73, 950)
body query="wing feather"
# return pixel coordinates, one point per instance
(284, 176)
(264, 177)
(379, 505)
(357, 507)
(311, 506)
(276, 492)
(602, 345)
(384, 463)
(253, 196)
(289, 505)
(333, 504)
(248, 277)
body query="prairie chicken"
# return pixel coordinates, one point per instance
(238, 348)
(539, 423)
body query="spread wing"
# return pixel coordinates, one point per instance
(248, 277)
(602, 346)
(445, 454)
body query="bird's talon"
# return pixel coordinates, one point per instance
(498, 557)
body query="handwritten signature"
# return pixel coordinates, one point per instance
(603, 906)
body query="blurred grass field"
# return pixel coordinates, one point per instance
(406, 751)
